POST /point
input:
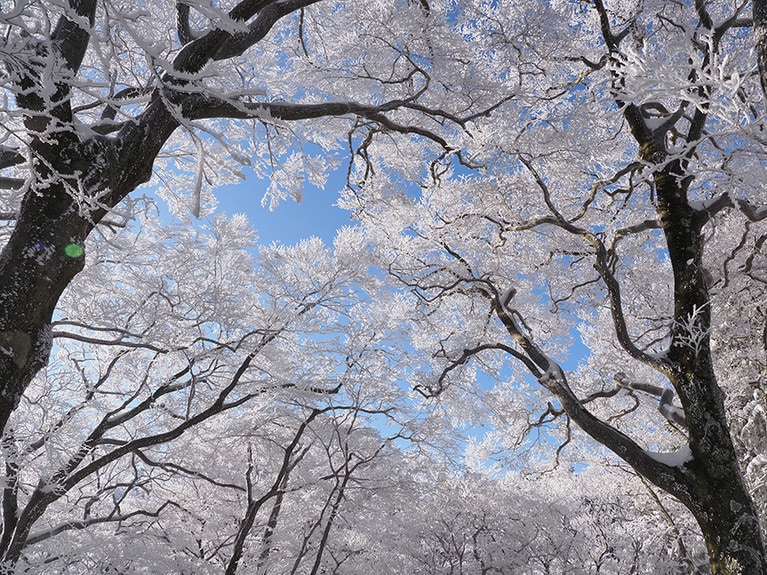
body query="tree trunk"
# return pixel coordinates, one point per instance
(44, 253)
(713, 488)
(730, 528)
(718, 496)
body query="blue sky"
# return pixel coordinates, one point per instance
(290, 222)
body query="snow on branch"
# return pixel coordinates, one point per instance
(667, 409)
(674, 458)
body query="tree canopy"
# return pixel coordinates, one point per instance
(552, 295)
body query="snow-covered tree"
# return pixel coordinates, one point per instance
(184, 407)
(529, 178)
(99, 96)
(219, 419)
(616, 204)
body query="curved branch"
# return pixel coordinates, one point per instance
(179, 469)
(602, 267)
(634, 229)
(84, 523)
(466, 355)
(551, 376)
(220, 44)
(203, 106)
(665, 396)
(110, 111)
(616, 310)
(267, 16)
(119, 341)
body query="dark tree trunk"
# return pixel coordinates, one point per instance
(729, 523)
(712, 487)
(760, 40)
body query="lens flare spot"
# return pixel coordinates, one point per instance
(74, 251)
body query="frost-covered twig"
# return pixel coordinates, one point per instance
(692, 331)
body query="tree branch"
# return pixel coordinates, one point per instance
(41, 536)
(267, 15)
(10, 157)
(202, 106)
(760, 40)
(551, 376)
(466, 355)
